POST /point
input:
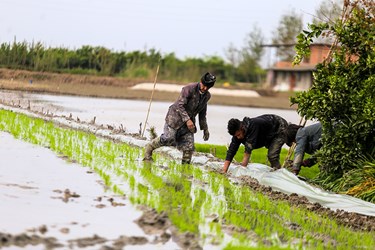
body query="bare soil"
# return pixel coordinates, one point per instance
(114, 87)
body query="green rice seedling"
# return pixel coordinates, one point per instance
(117, 190)
(191, 195)
(152, 132)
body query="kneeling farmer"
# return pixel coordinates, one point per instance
(179, 125)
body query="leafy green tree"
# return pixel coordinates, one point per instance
(342, 98)
(216, 65)
(247, 69)
(290, 26)
(106, 64)
(170, 66)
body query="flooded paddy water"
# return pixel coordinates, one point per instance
(131, 113)
(174, 206)
(62, 204)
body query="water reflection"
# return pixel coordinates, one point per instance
(131, 113)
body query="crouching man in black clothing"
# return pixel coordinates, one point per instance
(263, 131)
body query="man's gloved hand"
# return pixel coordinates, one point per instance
(206, 134)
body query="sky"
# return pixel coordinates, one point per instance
(187, 28)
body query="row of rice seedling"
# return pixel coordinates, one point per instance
(196, 200)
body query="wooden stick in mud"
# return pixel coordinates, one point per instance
(152, 95)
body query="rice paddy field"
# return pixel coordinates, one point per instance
(66, 188)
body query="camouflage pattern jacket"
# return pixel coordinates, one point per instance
(187, 106)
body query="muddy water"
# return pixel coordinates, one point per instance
(132, 113)
(50, 197)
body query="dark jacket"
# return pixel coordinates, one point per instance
(259, 132)
(187, 106)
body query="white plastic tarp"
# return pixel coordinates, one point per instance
(284, 181)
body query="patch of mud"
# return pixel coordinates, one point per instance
(66, 195)
(110, 200)
(17, 185)
(152, 222)
(123, 241)
(87, 241)
(24, 76)
(24, 239)
(159, 225)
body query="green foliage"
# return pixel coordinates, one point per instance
(305, 39)
(309, 173)
(105, 62)
(140, 73)
(343, 95)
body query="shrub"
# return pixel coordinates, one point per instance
(343, 94)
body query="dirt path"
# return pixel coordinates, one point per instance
(95, 86)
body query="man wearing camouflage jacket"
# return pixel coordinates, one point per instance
(180, 125)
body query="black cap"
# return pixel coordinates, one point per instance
(208, 79)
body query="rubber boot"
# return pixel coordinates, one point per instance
(295, 170)
(186, 157)
(150, 147)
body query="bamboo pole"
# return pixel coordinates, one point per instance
(152, 95)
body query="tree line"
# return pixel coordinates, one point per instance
(101, 61)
